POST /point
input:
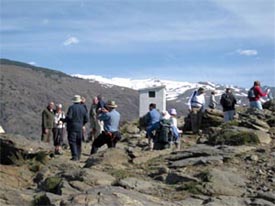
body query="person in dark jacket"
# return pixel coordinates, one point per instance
(76, 118)
(47, 123)
(228, 102)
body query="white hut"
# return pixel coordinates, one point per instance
(150, 95)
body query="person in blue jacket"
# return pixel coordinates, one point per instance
(152, 123)
(110, 135)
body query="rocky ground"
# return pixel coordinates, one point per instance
(229, 164)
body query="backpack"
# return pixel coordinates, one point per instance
(227, 100)
(164, 133)
(251, 93)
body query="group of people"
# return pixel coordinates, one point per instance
(197, 103)
(104, 125)
(161, 127)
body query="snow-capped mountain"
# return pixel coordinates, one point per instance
(175, 89)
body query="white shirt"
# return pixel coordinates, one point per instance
(212, 101)
(196, 100)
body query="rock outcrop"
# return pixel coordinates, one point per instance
(234, 165)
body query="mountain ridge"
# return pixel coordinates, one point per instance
(26, 90)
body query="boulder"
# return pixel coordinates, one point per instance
(224, 182)
(15, 149)
(178, 177)
(234, 136)
(112, 157)
(270, 105)
(53, 185)
(130, 129)
(213, 160)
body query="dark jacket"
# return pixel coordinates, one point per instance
(228, 102)
(47, 119)
(100, 105)
(76, 117)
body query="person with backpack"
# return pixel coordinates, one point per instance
(228, 102)
(164, 132)
(254, 95)
(196, 106)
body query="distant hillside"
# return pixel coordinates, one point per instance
(26, 90)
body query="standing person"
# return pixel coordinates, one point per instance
(212, 101)
(100, 106)
(196, 106)
(228, 102)
(254, 95)
(110, 135)
(94, 122)
(58, 130)
(83, 102)
(47, 123)
(76, 118)
(152, 119)
(174, 124)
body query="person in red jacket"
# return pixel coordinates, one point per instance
(255, 94)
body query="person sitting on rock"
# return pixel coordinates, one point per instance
(110, 135)
(196, 106)
(228, 102)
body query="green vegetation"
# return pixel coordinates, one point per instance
(230, 123)
(53, 185)
(235, 138)
(41, 199)
(191, 187)
(120, 174)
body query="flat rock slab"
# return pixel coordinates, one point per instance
(225, 182)
(115, 196)
(215, 160)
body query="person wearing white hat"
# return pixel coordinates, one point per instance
(76, 118)
(110, 135)
(176, 131)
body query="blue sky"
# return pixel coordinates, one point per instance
(223, 41)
